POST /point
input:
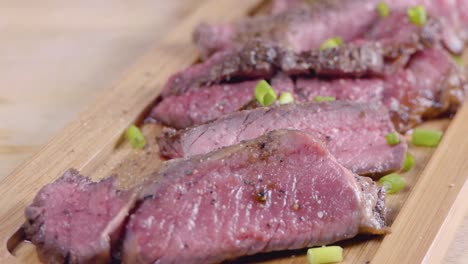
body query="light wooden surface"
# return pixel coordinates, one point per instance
(55, 57)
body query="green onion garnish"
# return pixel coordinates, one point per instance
(383, 9)
(320, 99)
(408, 163)
(417, 15)
(322, 255)
(286, 98)
(331, 43)
(458, 60)
(264, 94)
(426, 138)
(392, 182)
(392, 138)
(136, 138)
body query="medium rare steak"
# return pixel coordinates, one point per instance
(207, 103)
(409, 92)
(353, 132)
(259, 60)
(281, 191)
(301, 29)
(430, 86)
(392, 40)
(204, 104)
(307, 28)
(453, 14)
(74, 220)
(254, 60)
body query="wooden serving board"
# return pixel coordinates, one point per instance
(426, 214)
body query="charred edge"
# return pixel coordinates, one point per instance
(380, 211)
(429, 34)
(116, 248)
(380, 216)
(169, 143)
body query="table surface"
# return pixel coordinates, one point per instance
(56, 56)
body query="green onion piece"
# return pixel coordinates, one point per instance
(392, 138)
(458, 60)
(286, 98)
(264, 94)
(408, 163)
(426, 138)
(331, 43)
(322, 255)
(383, 9)
(417, 15)
(392, 182)
(320, 99)
(136, 138)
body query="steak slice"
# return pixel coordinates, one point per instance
(204, 104)
(306, 29)
(281, 191)
(74, 220)
(353, 132)
(255, 60)
(430, 86)
(301, 29)
(259, 60)
(409, 92)
(391, 40)
(207, 103)
(453, 14)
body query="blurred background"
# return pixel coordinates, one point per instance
(56, 56)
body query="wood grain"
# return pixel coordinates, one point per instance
(442, 187)
(93, 144)
(57, 56)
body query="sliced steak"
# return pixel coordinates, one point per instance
(409, 92)
(430, 86)
(281, 191)
(305, 29)
(451, 13)
(354, 133)
(255, 60)
(207, 103)
(300, 29)
(399, 38)
(204, 104)
(259, 60)
(389, 40)
(74, 220)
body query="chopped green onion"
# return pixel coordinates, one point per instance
(408, 163)
(320, 99)
(322, 255)
(383, 9)
(417, 15)
(458, 60)
(136, 138)
(392, 182)
(286, 98)
(392, 138)
(426, 138)
(264, 94)
(331, 43)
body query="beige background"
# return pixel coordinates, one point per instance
(56, 56)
